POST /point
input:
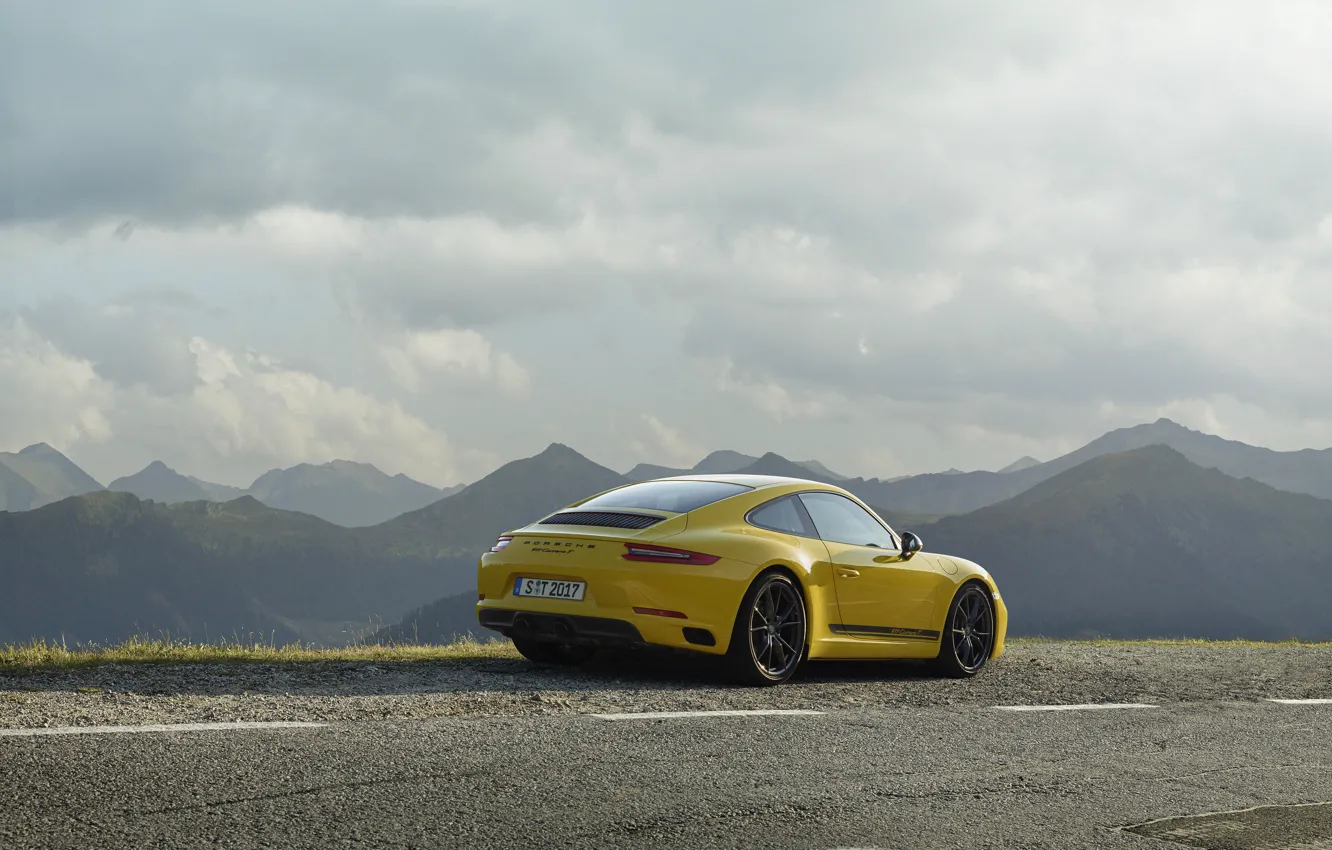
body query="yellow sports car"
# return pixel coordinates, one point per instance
(766, 571)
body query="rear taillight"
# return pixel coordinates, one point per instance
(501, 543)
(666, 555)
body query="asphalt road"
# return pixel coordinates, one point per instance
(901, 778)
(503, 755)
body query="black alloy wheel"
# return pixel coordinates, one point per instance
(771, 630)
(968, 637)
(547, 652)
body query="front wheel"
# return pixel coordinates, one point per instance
(968, 637)
(545, 652)
(770, 634)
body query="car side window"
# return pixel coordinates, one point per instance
(782, 515)
(840, 520)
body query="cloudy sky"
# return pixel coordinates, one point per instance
(437, 236)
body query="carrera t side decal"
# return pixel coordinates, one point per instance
(883, 632)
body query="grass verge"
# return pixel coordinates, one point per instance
(47, 655)
(41, 655)
(1220, 644)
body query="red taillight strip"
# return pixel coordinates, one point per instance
(661, 612)
(501, 543)
(666, 555)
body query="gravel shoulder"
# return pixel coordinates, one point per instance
(1033, 672)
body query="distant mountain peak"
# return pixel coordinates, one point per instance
(821, 469)
(519, 492)
(649, 471)
(52, 475)
(349, 465)
(1127, 472)
(1025, 462)
(774, 464)
(723, 461)
(344, 492)
(160, 483)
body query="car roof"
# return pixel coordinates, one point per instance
(755, 481)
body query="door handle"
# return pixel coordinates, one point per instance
(845, 572)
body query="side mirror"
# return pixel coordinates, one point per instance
(911, 544)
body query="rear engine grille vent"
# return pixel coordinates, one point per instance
(602, 519)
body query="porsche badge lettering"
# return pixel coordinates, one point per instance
(555, 547)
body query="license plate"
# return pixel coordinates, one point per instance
(546, 588)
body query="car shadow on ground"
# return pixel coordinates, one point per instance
(608, 672)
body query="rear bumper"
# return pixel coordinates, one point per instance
(624, 603)
(581, 630)
(565, 628)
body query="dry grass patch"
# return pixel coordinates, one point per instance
(48, 655)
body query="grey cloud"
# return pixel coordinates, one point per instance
(215, 110)
(987, 343)
(172, 113)
(126, 346)
(171, 296)
(1100, 151)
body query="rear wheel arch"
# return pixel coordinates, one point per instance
(745, 668)
(795, 575)
(786, 569)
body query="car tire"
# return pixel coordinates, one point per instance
(771, 635)
(968, 636)
(550, 653)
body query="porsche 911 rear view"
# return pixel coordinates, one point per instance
(767, 572)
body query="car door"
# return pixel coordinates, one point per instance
(880, 596)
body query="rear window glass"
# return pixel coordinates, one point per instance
(782, 515)
(679, 497)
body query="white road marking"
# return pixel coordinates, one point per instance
(1227, 812)
(158, 727)
(676, 715)
(1095, 706)
(1302, 701)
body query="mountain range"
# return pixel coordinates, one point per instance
(107, 565)
(1148, 531)
(1143, 543)
(345, 493)
(1146, 543)
(1308, 471)
(342, 492)
(955, 492)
